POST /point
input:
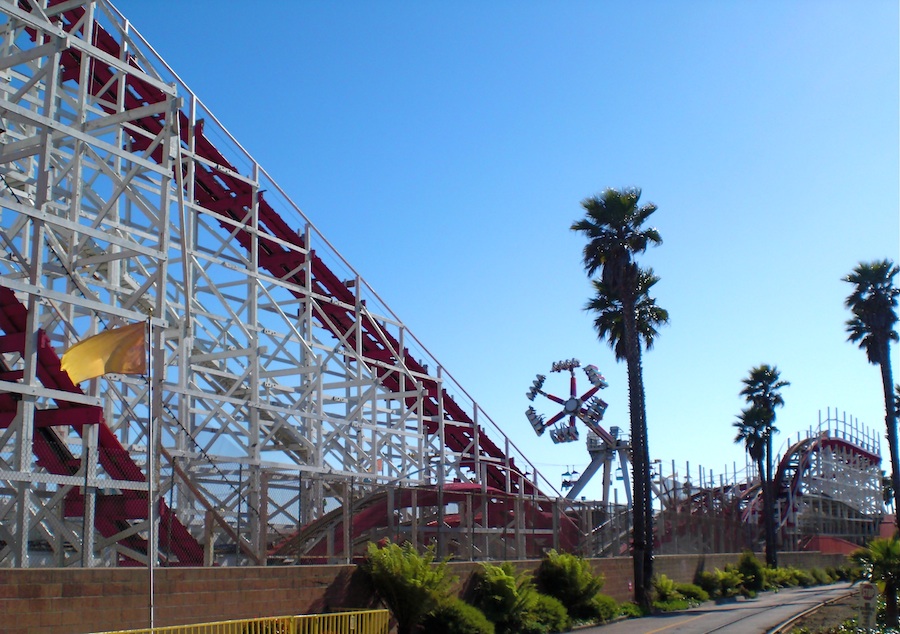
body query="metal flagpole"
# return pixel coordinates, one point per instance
(151, 447)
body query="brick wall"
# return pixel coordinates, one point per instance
(78, 601)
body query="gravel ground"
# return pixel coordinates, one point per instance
(829, 616)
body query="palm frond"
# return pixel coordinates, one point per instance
(609, 321)
(613, 226)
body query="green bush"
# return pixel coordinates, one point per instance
(692, 592)
(673, 605)
(730, 581)
(840, 573)
(821, 577)
(799, 577)
(548, 614)
(571, 580)
(631, 610)
(407, 582)
(455, 616)
(670, 595)
(779, 578)
(664, 589)
(847, 572)
(773, 578)
(753, 572)
(604, 607)
(505, 597)
(708, 582)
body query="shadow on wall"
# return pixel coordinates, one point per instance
(350, 589)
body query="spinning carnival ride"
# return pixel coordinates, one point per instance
(603, 446)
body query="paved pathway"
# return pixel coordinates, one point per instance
(743, 616)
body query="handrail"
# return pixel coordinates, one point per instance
(349, 622)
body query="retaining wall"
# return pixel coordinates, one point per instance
(78, 601)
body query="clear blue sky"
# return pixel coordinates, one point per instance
(444, 148)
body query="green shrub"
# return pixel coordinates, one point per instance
(731, 582)
(455, 616)
(847, 572)
(804, 578)
(604, 607)
(708, 581)
(692, 592)
(571, 580)
(510, 600)
(821, 577)
(753, 572)
(673, 605)
(840, 573)
(407, 582)
(664, 589)
(549, 615)
(773, 578)
(505, 597)
(631, 610)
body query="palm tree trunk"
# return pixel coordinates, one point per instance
(760, 467)
(769, 506)
(640, 460)
(890, 421)
(648, 492)
(891, 617)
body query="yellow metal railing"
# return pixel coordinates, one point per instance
(362, 622)
(351, 622)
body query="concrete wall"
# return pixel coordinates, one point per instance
(78, 601)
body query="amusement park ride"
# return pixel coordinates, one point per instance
(603, 446)
(287, 414)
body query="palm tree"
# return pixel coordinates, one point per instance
(613, 226)
(880, 562)
(761, 391)
(609, 319)
(755, 433)
(873, 303)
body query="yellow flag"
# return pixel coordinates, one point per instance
(121, 350)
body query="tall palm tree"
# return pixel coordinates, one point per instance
(761, 391)
(614, 227)
(880, 562)
(755, 432)
(873, 303)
